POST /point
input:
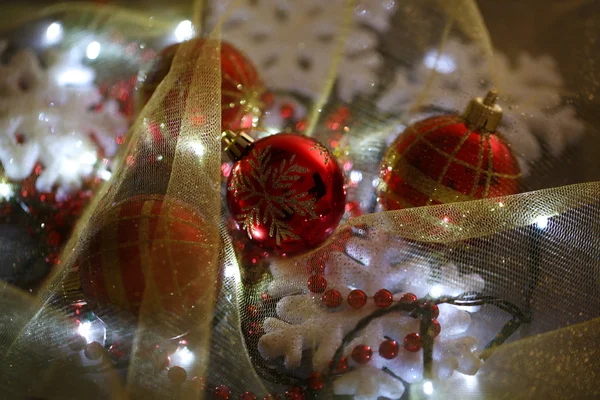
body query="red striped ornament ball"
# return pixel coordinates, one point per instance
(449, 159)
(151, 249)
(242, 91)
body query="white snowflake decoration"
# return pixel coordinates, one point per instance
(529, 94)
(292, 42)
(47, 115)
(370, 264)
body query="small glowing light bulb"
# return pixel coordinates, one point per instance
(6, 191)
(184, 30)
(436, 291)
(54, 33)
(443, 63)
(541, 222)
(93, 50)
(428, 388)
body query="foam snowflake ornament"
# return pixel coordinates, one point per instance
(293, 42)
(370, 263)
(530, 93)
(54, 116)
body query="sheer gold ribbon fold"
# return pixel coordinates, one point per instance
(194, 178)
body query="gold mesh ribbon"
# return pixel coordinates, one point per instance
(491, 237)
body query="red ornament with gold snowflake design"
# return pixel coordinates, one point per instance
(286, 190)
(448, 159)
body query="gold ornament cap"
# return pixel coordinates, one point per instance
(484, 114)
(237, 145)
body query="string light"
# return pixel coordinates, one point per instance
(6, 191)
(89, 157)
(443, 63)
(541, 222)
(184, 30)
(356, 176)
(54, 33)
(183, 357)
(428, 388)
(198, 148)
(104, 174)
(75, 76)
(437, 291)
(93, 50)
(85, 330)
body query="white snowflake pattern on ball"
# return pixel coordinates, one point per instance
(530, 94)
(292, 42)
(56, 116)
(369, 263)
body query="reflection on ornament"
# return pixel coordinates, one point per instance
(286, 190)
(448, 159)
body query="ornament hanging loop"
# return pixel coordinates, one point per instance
(484, 114)
(237, 145)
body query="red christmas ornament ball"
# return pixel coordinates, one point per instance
(287, 192)
(241, 90)
(446, 159)
(154, 249)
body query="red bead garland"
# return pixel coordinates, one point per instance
(315, 381)
(177, 375)
(332, 298)
(412, 342)
(318, 269)
(437, 328)
(383, 298)
(408, 298)
(93, 351)
(435, 310)
(247, 396)
(388, 349)
(357, 299)
(222, 392)
(317, 284)
(294, 393)
(341, 367)
(362, 354)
